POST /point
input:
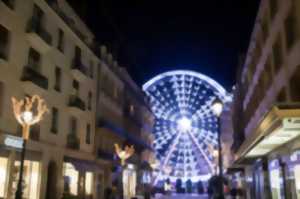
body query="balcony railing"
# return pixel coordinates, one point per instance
(73, 141)
(30, 74)
(35, 26)
(76, 102)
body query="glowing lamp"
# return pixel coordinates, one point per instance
(124, 154)
(217, 107)
(184, 124)
(27, 116)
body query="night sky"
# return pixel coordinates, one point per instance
(150, 37)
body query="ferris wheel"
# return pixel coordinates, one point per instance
(185, 129)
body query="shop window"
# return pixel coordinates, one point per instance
(71, 177)
(3, 176)
(89, 183)
(61, 40)
(295, 85)
(4, 41)
(31, 176)
(88, 134)
(278, 54)
(290, 30)
(54, 123)
(34, 59)
(57, 85)
(273, 8)
(90, 100)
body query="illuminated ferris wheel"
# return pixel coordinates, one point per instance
(185, 128)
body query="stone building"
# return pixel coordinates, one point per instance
(45, 49)
(266, 110)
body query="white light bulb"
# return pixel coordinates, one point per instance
(184, 124)
(27, 116)
(217, 108)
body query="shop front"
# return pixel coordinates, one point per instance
(272, 150)
(10, 167)
(81, 178)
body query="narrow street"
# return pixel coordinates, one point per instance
(182, 196)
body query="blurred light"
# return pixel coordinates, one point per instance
(184, 124)
(217, 107)
(27, 116)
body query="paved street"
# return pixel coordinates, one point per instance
(182, 196)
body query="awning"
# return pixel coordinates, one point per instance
(279, 126)
(83, 165)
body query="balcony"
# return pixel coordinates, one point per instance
(34, 82)
(76, 105)
(38, 36)
(79, 71)
(73, 142)
(9, 3)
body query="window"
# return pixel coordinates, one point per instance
(4, 39)
(1, 98)
(61, 40)
(57, 85)
(277, 53)
(88, 134)
(73, 126)
(273, 8)
(54, 123)
(34, 59)
(77, 54)
(295, 85)
(91, 69)
(290, 30)
(282, 95)
(75, 87)
(90, 101)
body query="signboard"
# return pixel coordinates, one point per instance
(13, 141)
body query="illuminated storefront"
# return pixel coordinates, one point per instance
(79, 178)
(129, 181)
(9, 169)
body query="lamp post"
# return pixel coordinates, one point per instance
(27, 116)
(217, 109)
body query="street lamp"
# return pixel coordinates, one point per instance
(217, 108)
(124, 154)
(27, 116)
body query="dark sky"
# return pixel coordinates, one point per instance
(150, 37)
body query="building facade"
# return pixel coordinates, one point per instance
(45, 49)
(266, 105)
